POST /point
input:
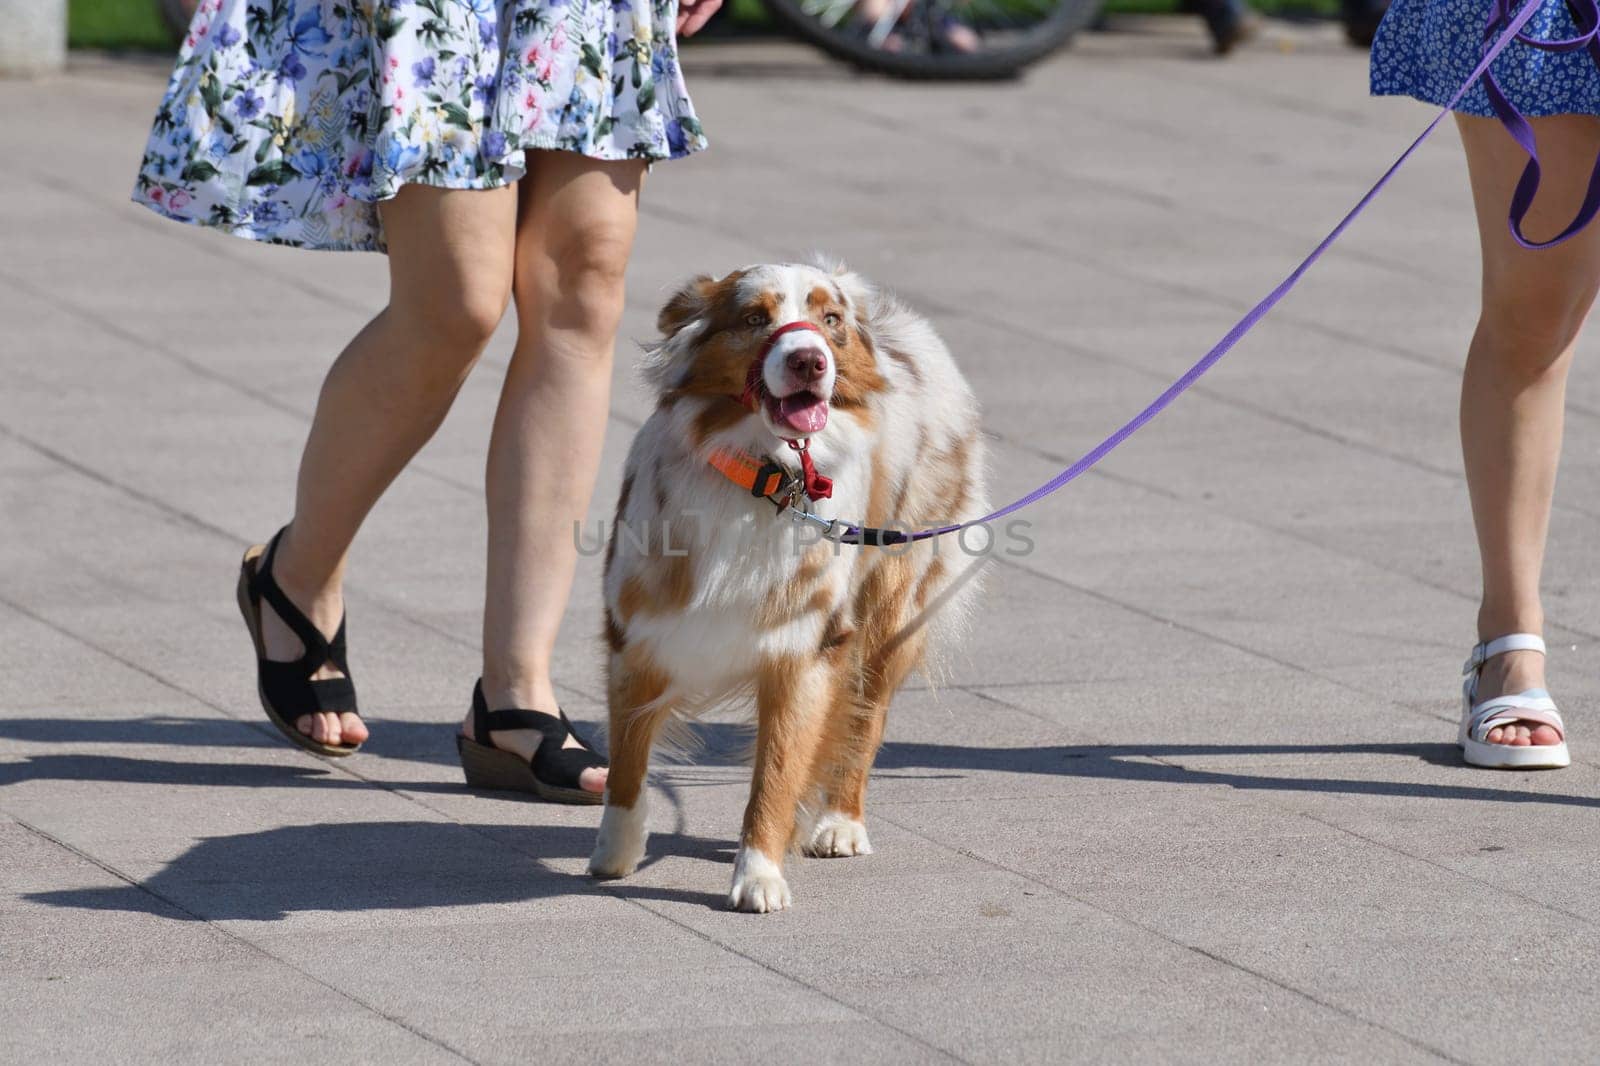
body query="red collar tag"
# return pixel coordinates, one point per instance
(816, 486)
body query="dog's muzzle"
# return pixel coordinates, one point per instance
(751, 396)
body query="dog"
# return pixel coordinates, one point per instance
(782, 390)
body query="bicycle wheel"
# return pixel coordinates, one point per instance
(954, 39)
(177, 14)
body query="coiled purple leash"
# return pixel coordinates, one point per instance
(1586, 13)
(1503, 27)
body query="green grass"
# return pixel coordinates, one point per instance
(116, 24)
(745, 12)
(136, 24)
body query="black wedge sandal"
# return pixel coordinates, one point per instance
(289, 685)
(553, 772)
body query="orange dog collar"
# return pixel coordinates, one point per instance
(757, 476)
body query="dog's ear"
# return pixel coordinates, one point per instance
(687, 304)
(667, 360)
(857, 291)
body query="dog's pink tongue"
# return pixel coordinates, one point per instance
(803, 412)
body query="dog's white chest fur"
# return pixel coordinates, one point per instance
(742, 554)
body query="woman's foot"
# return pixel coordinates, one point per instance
(325, 608)
(1510, 673)
(1509, 722)
(523, 743)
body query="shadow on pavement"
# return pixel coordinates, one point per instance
(123, 770)
(377, 866)
(1138, 762)
(721, 744)
(152, 729)
(428, 742)
(724, 744)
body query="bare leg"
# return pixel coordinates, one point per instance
(575, 233)
(1514, 387)
(450, 268)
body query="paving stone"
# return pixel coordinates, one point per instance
(1185, 790)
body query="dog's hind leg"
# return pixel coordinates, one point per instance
(635, 688)
(793, 699)
(886, 651)
(837, 826)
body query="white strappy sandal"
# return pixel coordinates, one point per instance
(1534, 705)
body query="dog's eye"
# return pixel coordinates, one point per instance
(755, 318)
(832, 318)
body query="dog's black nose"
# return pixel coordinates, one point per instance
(808, 364)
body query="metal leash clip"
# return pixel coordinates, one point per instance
(831, 528)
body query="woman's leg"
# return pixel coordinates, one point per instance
(574, 236)
(450, 268)
(1513, 390)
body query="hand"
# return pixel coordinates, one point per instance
(693, 14)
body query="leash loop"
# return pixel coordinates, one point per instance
(1586, 14)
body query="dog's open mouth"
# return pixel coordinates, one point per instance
(803, 412)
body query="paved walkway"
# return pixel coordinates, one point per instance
(1190, 794)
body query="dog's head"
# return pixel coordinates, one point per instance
(786, 344)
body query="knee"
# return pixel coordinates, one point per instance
(478, 315)
(1534, 327)
(455, 322)
(579, 284)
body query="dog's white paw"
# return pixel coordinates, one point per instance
(620, 847)
(837, 835)
(758, 883)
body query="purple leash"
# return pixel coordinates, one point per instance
(1586, 14)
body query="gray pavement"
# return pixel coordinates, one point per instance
(1187, 795)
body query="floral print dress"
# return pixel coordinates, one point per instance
(1426, 49)
(289, 120)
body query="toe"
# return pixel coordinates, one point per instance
(307, 724)
(352, 728)
(1545, 736)
(593, 779)
(1496, 735)
(330, 728)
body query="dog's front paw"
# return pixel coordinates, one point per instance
(620, 847)
(758, 883)
(837, 835)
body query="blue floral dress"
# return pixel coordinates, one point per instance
(1426, 49)
(289, 120)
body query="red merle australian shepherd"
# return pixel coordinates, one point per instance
(783, 387)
